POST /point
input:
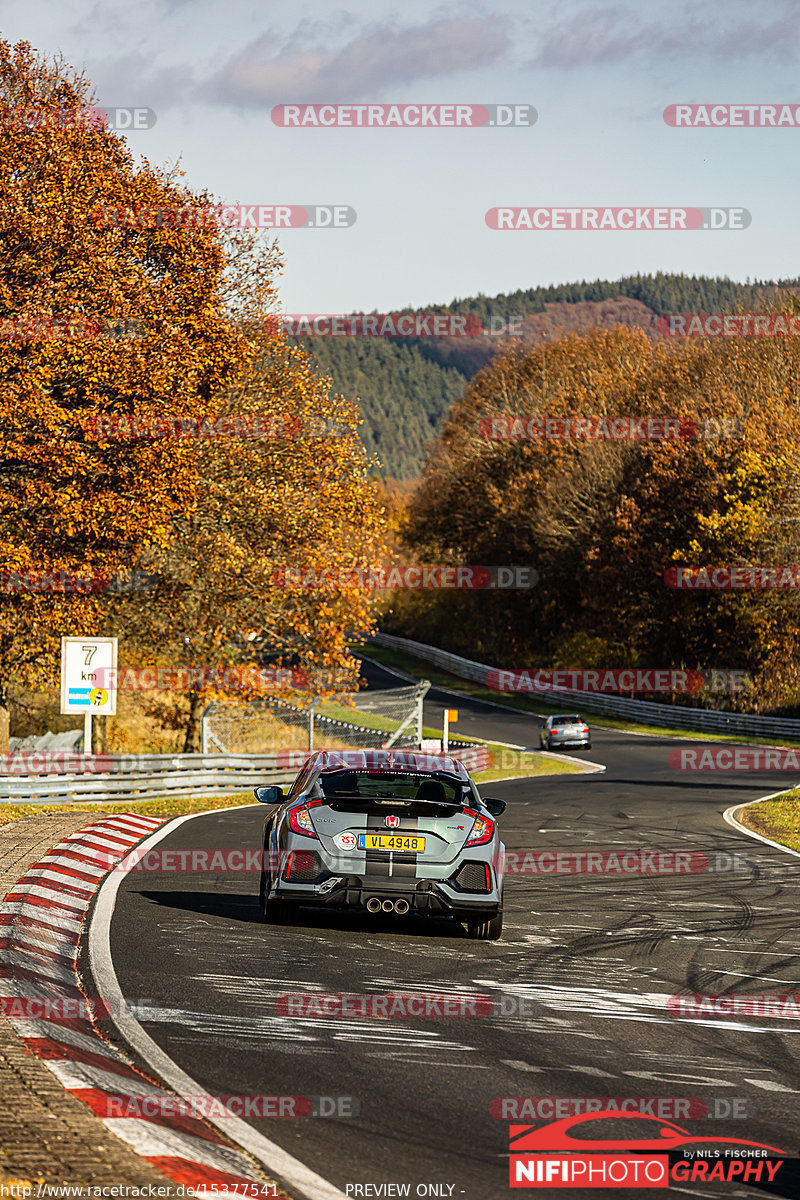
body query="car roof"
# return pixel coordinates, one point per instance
(411, 762)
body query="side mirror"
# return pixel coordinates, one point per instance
(495, 807)
(269, 795)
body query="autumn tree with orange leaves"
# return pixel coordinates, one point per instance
(279, 514)
(207, 518)
(603, 520)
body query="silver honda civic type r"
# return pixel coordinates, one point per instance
(384, 831)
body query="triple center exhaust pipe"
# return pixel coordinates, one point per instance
(401, 907)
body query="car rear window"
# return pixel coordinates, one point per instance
(567, 721)
(403, 785)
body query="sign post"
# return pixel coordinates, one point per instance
(89, 680)
(450, 714)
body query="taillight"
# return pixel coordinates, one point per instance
(482, 830)
(300, 819)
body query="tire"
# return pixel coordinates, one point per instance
(273, 911)
(485, 931)
(588, 745)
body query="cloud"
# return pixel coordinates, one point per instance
(308, 68)
(131, 80)
(617, 34)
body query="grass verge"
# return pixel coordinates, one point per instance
(421, 669)
(777, 819)
(169, 806)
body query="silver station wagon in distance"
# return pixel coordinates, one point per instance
(565, 731)
(384, 831)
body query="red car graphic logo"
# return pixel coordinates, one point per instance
(392, 821)
(526, 1138)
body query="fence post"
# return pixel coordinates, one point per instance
(311, 708)
(424, 687)
(204, 729)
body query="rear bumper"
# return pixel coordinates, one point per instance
(427, 897)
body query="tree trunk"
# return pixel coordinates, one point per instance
(191, 743)
(5, 720)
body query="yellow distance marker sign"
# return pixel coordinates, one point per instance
(89, 675)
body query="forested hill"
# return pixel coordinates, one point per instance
(407, 385)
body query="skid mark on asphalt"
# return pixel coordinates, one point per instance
(649, 1007)
(306, 1030)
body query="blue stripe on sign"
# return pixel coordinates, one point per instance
(79, 691)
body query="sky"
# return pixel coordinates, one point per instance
(598, 75)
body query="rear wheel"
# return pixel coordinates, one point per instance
(273, 911)
(485, 931)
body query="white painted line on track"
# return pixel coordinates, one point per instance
(768, 1085)
(274, 1158)
(589, 766)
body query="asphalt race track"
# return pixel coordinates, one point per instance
(580, 981)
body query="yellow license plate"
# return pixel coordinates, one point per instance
(391, 841)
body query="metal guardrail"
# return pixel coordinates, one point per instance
(132, 777)
(97, 778)
(701, 720)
